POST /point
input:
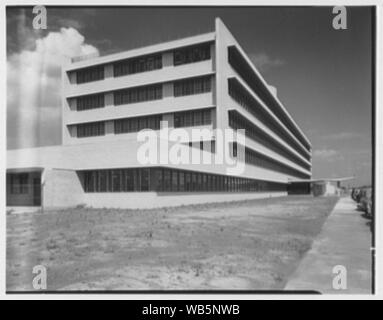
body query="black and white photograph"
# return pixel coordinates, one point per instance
(190, 149)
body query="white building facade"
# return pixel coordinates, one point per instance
(201, 82)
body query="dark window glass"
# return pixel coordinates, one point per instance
(102, 181)
(116, 180)
(90, 74)
(138, 94)
(174, 180)
(19, 183)
(241, 66)
(242, 97)
(90, 129)
(144, 179)
(237, 121)
(129, 177)
(136, 65)
(181, 181)
(167, 180)
(192, 86)
(187, 181)
(192, 118)
(191, 54)
(136, 124)
(90, 102)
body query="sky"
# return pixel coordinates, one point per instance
(322, 75)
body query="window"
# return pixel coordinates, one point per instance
(102, 181)
(136, 124)
(258, 159)
(241, 66)
(137, 65)
(181, 181)
(236, 121)
(144, 179)
(138, 94)
(90, 129)
(191, 54)
(159, 180)
(192, 86)
(169, 180)
(198, 118)
(174, 180)
(116, 180)
(90, 102)
(129, 180)
(243, 98)
(192, 118)
(188, 186)
(90, 74)
(19, 183)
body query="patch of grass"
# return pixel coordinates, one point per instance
(185, 247)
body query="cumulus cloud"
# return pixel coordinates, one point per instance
(34, 87)
(264, 62)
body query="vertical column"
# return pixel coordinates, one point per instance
(108, 71)
(167, 59)
(109, 100)
(109, 127)
(167, 90)
(169, 117)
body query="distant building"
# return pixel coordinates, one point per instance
(318, 187)
(205, 81)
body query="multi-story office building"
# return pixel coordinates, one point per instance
(205, 81)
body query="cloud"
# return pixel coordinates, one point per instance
(327, 154)
(343, 135)
(264, 62)
(34, 87)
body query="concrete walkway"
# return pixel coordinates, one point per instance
(345, 240)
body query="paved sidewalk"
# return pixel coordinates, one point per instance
(345, 240)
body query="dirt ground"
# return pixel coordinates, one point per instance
(251, 245)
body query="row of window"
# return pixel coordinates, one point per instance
(192, 118)
(236, 121)
(170, 180)
(90, 74)
(137, 124)
(241, 66)
(145, 93)
(243, 98)
(257, 159)
(138, 94)
(191, 54)
(121, 180)
(145, 63)
(91, 129)
(137, 65)
(192, 86)
(90, 102)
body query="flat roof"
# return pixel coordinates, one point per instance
(160, 47)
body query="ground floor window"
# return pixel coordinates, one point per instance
(18, 183)
(170, 180)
